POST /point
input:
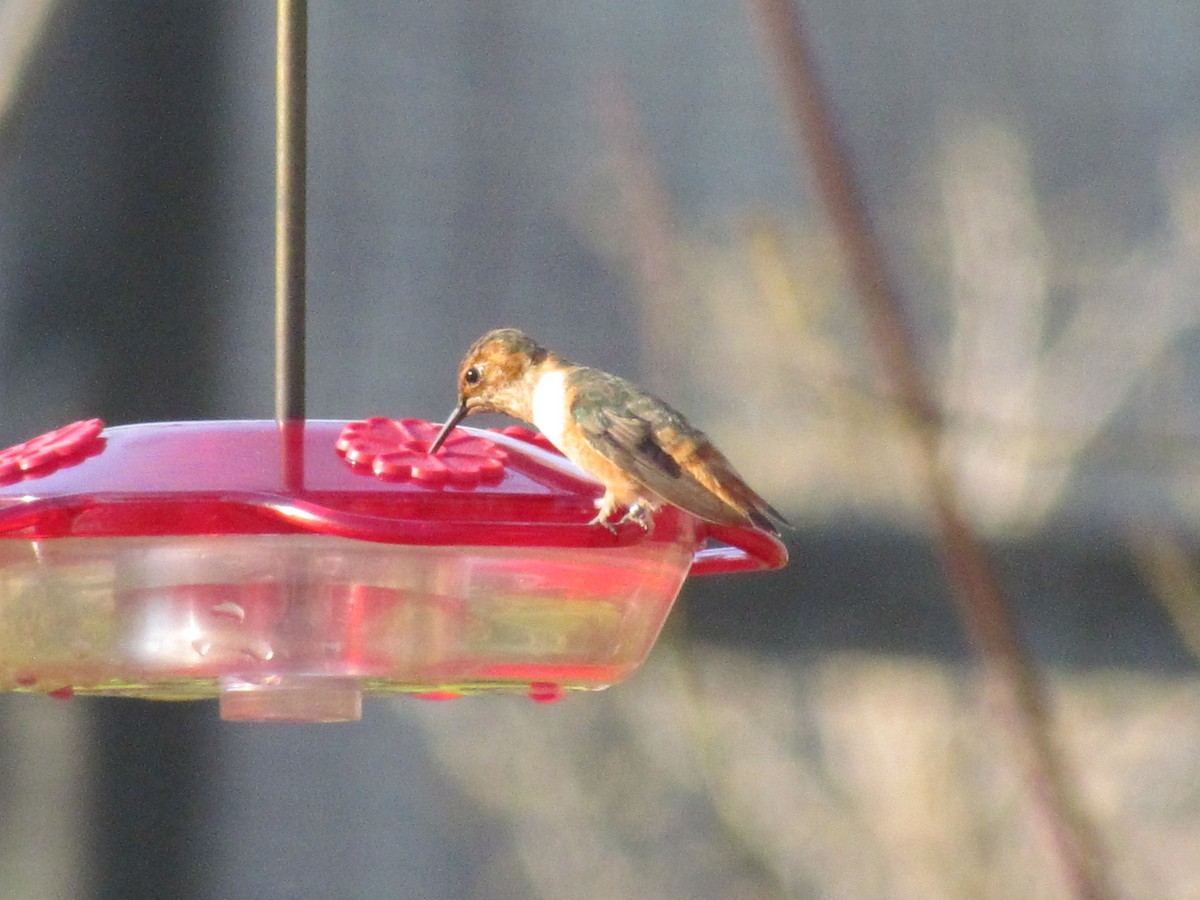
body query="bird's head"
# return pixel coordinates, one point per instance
(495, 376)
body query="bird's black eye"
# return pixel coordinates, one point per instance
(471, 376)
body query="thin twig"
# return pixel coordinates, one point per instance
(22, 24)
(651, 234)
(1167, 566)
(980, 601)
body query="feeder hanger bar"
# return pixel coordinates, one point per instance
(290, 200)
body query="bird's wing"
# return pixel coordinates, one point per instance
(657, 447)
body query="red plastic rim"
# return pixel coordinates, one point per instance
(251, 477)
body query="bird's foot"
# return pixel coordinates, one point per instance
(605, 507)
(640, 512)
(600, 519)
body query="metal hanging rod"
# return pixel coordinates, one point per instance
(291, 160)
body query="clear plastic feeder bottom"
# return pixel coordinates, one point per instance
(299, 626)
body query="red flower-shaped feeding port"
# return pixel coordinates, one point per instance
(399, 449)
(43, 454)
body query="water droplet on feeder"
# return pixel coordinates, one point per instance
(545, 692)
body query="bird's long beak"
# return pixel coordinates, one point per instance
(457, 416)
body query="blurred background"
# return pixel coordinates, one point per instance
(621, 180)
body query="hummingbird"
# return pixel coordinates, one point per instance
(643, 451)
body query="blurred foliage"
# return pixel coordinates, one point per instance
(726, 773)
(1052, 367)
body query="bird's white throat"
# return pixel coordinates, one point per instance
(549, 405)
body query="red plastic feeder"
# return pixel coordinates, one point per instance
(291, 570)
